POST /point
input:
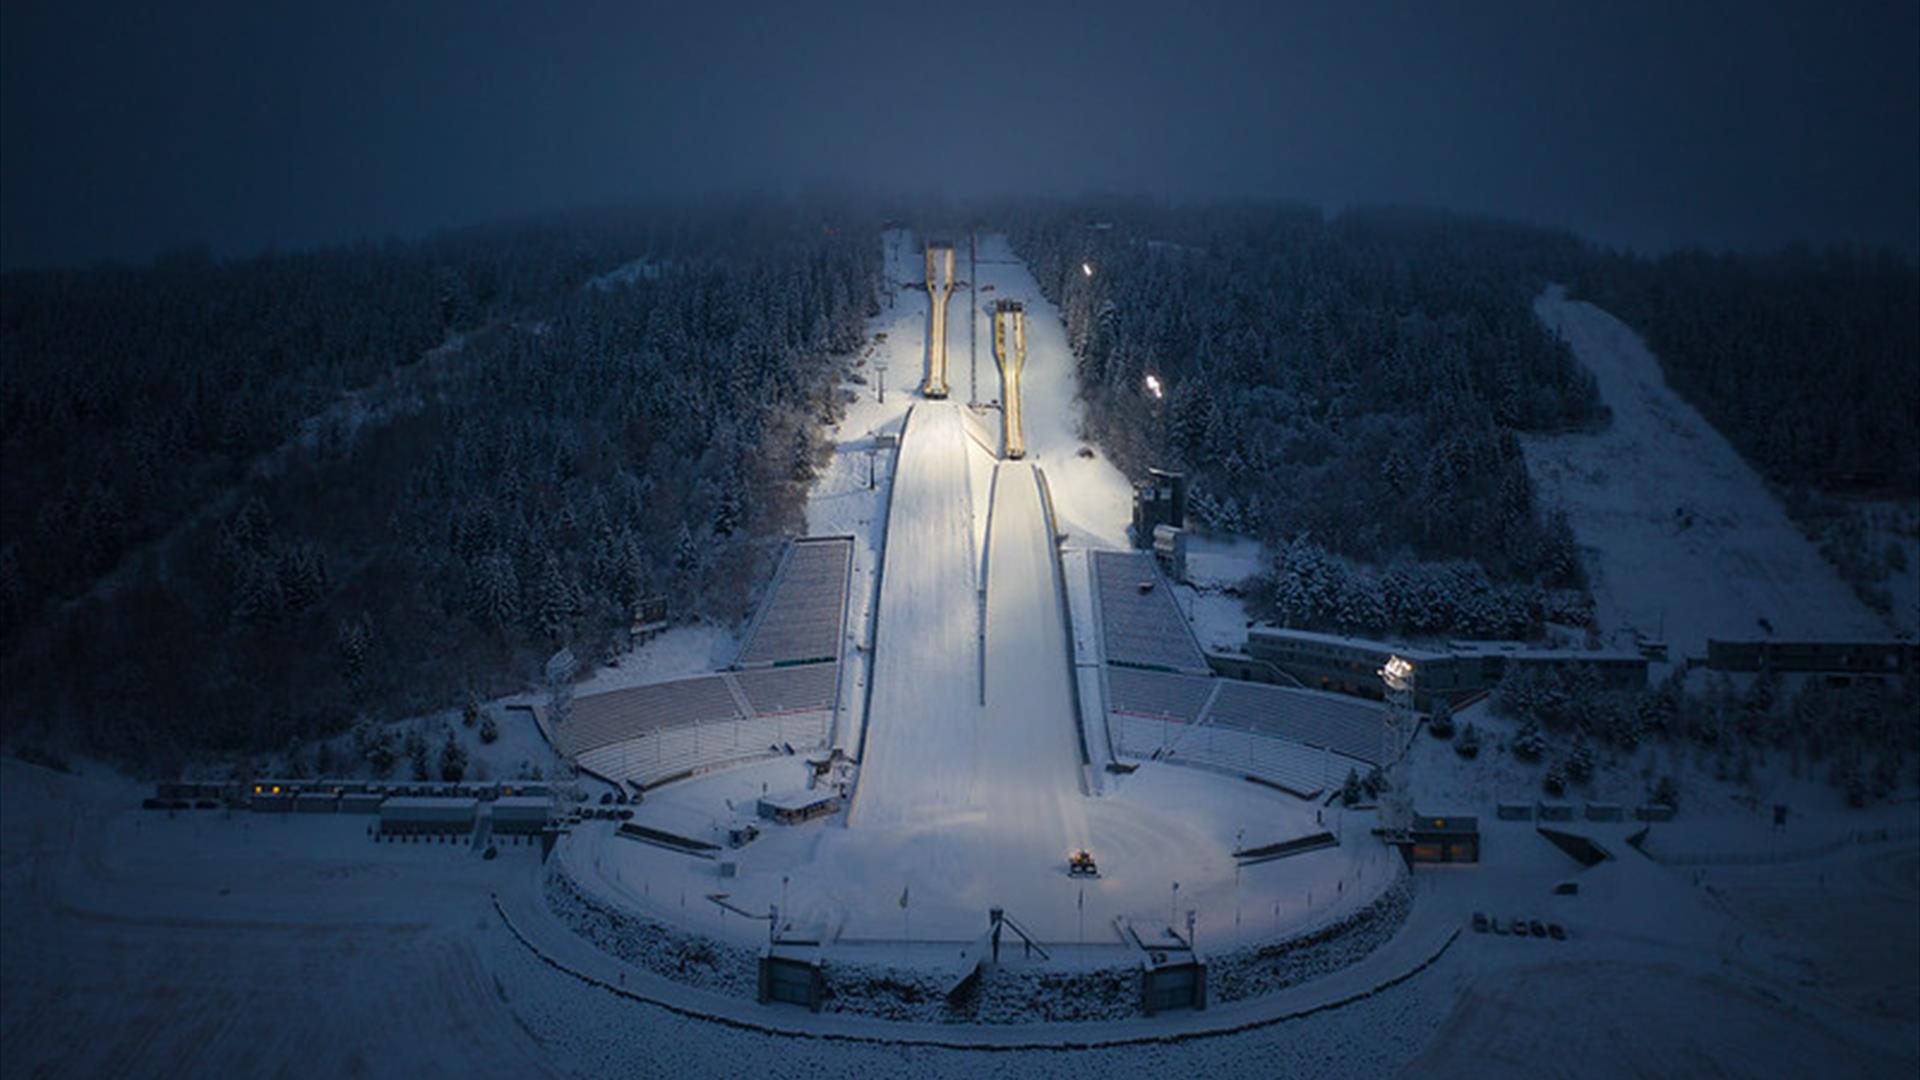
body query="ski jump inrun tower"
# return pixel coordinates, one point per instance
(1010, 352)
(939, 287)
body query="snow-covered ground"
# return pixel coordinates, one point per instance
(1684, 539)
(917, 761)
(204, 943)
(1091, 497)
(1164, 824)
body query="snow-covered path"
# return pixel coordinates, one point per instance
(1685, 536)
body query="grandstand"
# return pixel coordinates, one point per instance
(805, 612)
(1308, 717)
(781, 693)
(1316, 718)
(1159, 696)
(1162, 702)
(1141, 624)
(1295, 766)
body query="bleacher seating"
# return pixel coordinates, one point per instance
(1344, 725)
(1295, 766)
(780, 693)
(802, 619)
(1158, 694)
(600, 719)
(775, 691)
(669, 752)
(1142, 629)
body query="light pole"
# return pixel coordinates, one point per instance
(1238, 846)
(1158, 391)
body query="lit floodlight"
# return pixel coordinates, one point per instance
(1086, 268)
(1153, 387)
(1398, 673)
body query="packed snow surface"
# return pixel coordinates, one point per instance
(917, 762)
(1685, 540)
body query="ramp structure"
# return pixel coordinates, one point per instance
(916, 756)
(1010, 352)
(939, 288)
(938, 750)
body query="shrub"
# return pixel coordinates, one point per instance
(1666, 792)
(453, 759)
(1440, 723)
(1468, 744)
(1529, 745)
(1555, 782)
(489, 729)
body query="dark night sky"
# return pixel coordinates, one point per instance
(130, 128)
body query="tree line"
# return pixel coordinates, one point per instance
(1348, 389)
(249, 501)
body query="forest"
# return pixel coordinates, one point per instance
(250, 501)
(1808, 362)
(1348, 389)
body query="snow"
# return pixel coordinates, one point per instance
(205, 943)
(1026, 773)
(1684, 540)
(1223, 560)
(1091, 497)
(1160, 825)
(915, 765)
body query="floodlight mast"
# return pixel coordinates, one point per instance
(1396, 807)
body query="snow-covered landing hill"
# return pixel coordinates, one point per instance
(1683, 537)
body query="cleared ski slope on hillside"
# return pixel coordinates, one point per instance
(916, 765)
(1683, 532)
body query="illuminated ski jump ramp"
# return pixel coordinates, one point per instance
(935, 755)
(1010, 352)
(916, 761)
(939, 288)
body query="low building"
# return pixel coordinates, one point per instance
(1883, 657)
(427, 815)
(521, 815)
(1351, 665)
(795, 807)
(1444, 839)
(1161, 499)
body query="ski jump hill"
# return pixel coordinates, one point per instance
(972, 714)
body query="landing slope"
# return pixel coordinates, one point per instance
(1026, 770)
(916, 763)
(1685, 532)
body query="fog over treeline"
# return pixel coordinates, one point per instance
(127, 130)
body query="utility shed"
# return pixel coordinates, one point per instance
(416, 815)
(790, 972)
(521, 815)
(1445, 839)
(317, 802)
(794, 807)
